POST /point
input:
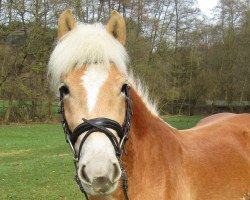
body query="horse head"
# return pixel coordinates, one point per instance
(88, 66)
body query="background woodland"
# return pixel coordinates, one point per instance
(190, 63)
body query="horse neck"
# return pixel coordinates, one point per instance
(152, 146)
(148, 128)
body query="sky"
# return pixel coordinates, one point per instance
(206, 6)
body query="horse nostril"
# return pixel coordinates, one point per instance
(117, 172)
(84, 175)
(101, 180)
(101, 184)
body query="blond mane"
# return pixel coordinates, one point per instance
(89, 44)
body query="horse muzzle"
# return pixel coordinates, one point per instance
(100, 178)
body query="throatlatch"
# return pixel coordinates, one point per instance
(100, 125)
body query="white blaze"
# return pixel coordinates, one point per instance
(93, 79)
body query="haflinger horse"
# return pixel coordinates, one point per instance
(100, 99)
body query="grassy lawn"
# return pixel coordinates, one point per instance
(182, 122)
(35, 161)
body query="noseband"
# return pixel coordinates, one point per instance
(100, 125)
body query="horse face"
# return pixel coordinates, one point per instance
(92, 90)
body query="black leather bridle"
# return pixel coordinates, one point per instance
(100, 125)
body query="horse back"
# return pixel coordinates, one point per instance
(218, 157)
(240, 119)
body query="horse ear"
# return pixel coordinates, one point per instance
(116, 27)
(66, 23)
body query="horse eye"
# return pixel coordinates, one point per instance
(124, 87)
(64, 90)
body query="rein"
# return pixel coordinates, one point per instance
(100, 125)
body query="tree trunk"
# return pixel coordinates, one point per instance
(8, 110)
(49, 106)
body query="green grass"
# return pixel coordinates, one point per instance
(36, 162)
(182, 122)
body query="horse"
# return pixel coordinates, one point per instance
(123, 149)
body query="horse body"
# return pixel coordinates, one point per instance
(210, 161)
(217, 160)
(207, 162)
